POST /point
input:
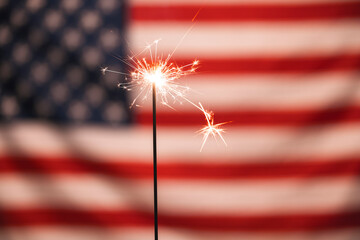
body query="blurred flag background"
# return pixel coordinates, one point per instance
(76, 162)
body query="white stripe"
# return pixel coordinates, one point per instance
(249, 39)
(182, 144)
(147, 233)
(230, 2)
(266, 92)
(181, 197)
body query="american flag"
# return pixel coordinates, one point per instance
(76, 163)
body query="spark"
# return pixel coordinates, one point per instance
(196, 15)
(103, 70)
(211, 128)
(157, 71)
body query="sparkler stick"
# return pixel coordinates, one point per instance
(155, 161)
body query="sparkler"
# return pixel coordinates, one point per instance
(158, 77)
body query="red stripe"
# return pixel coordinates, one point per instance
(279, 169)
(121, 218)
(259, 65)
(294, 117)
(283, 12)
